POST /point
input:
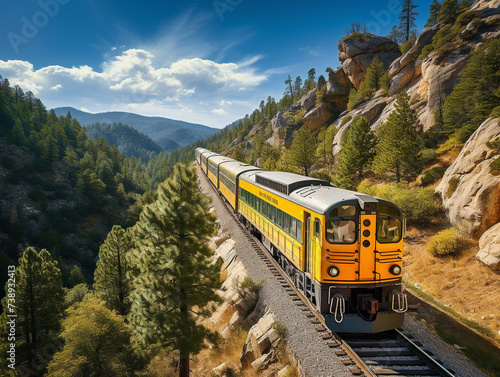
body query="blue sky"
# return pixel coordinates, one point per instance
(203, 61)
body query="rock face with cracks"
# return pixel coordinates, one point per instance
(470, 191)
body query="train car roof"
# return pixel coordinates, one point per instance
(208, 153)
(236, 168)
(218, 159)
(317, 195)
(199, 149)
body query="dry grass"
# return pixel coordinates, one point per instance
(230, 351)
(462, 283)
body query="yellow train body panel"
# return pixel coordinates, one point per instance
(290, 247)
(212, 178)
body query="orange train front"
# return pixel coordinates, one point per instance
(343, 249)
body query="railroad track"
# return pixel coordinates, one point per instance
(379, 355)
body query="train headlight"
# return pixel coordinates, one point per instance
(333, 271)
(395, 269)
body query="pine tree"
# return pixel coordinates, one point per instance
(39, 306)
(448, 12)
(311, 76)
(434, 9)
(395, 35)
(358, 150)
(96, 343)
(407, 18)
(324, 155)
(111, 282)
(18, 135)
(398, 147)
(289, 88)
(477, 93)
(174, 280)
(376, 78)
(297, 85)
(302, 149)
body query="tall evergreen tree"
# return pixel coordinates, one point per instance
(311, 77)
(407, 18)
(297, 85)
(324, 153)
(358, 150)
(448, 12)
(477, 93)
(376, 78)
(302, 149)
(398, 146)
(289, 88)
(434, 9)
(175, 280)
(39, 306)
(395, 34)
(111, 282)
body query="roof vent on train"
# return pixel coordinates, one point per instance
(287, 182)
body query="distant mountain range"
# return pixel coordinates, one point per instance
(168, 133)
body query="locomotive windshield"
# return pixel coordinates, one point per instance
(388, 224)
(341, 225)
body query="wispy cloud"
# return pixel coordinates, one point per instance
(219, 112)
(311, 51)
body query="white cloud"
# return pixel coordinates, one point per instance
(134, 80)
(219, 112)
(84, 109)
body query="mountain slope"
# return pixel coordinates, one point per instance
(129, 141)
(169, 133)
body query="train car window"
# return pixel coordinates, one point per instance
(299, 231)
(343, 211)
(389, 228)
(341, 231)
(317, 226)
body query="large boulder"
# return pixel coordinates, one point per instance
(438, 76)
(469, 191)
(261, 337)
(358, 50)
(279, 124)
(370, 109)
(307, 102)
(317, 117)
(423, 39)
(489, 247)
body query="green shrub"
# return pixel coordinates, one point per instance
(427, 155)
(446, 242)
(495, 166)
(417, 203)
(344, 120)
(432, 175)
(405, 47)
(280, 329)
(37, 195)
(426, 51)
(248, 285)
(452, 186)
(495, 112)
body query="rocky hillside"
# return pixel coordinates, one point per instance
(450, 73)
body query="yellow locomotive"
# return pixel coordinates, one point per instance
(343, 249)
